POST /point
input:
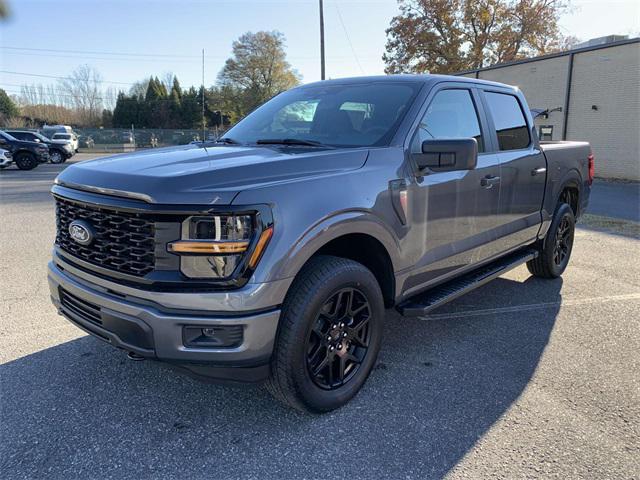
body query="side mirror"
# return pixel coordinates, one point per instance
(448, 155)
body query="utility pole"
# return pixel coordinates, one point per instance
(321, 41)
(203, 126)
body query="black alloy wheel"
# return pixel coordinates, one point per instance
(554, 252)
(25, 161)
(339, 340)
(563, 241)
(329, 335)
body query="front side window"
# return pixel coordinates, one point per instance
(511, 126)
(451, 114)
(339, 115)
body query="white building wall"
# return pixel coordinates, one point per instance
(608, 79)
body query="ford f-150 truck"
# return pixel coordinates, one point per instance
(271, 254)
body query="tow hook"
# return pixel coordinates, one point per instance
(134, 357)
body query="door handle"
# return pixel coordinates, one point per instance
(538, 170)
(489, 181)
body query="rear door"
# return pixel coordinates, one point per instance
(522, 166)
(453, 213)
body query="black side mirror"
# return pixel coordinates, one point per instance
(448, 155)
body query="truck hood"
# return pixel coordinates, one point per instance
(194, 175)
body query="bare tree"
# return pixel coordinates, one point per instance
(139, 89)
(167, 80)
(82, 89)
(109, 98)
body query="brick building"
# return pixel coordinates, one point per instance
(592, 93)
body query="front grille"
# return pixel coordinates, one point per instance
(124, 242)
(85, 310)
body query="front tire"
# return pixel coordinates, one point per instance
(26, 161)
(329, 335)
(55, 156)
(556, 249)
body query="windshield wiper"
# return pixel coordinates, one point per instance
(291, 141)
(228, 141)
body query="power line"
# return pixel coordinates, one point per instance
(196, 58)
(349, 39)
(93, 52)
(110, 59)
(59, 78)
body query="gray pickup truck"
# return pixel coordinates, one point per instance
(271, 254)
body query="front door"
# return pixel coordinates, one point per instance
(453, 214)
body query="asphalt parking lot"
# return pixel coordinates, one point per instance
(523, 378)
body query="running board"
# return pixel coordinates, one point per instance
(441, 294)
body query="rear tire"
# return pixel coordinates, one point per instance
(26, 161)
(556, 249)
(329, 335)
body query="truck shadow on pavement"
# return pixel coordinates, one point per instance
(81, 410)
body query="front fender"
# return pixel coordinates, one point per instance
(292, 258)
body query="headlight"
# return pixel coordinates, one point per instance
(214, 246)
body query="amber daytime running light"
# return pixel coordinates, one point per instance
(211, 246)
(204, 247)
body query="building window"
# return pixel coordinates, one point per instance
(545, 132)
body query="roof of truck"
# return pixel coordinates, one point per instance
(408, 78)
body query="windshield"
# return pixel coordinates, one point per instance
(62, 136)
(350, 115)
(40, 136)
(6, 136)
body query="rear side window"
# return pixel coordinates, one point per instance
(451, 114)
(511, 126)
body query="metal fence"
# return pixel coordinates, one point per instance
(125, 140)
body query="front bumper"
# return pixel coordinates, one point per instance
(151, 331)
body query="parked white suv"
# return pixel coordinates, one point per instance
(69, 138)
(6, 158)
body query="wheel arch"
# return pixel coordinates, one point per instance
(357, 236)
(569, 191)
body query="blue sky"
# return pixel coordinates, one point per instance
(163, 36)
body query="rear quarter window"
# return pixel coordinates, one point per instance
(511, 126)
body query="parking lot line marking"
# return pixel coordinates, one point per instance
(534, 306)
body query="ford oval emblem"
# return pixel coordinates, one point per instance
(81, 232)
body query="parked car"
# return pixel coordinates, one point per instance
(126, 137)
(6, 158)
(59, 150)
(146, 139)
(271, 255)
(70, 138)
(50, 130)
(26, 155)
(86, 141)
